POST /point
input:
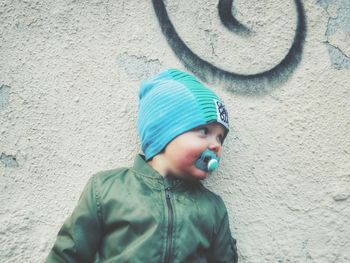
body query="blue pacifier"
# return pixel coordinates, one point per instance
(208, 161)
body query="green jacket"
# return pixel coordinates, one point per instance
(136, 215)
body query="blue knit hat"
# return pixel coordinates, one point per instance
(172, 103)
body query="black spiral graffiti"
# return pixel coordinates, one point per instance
(228, 20)
(246, 84)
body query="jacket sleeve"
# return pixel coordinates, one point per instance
(79, 237)
(223, 248)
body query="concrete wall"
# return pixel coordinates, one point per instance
(69, 77)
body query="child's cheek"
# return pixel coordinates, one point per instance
(191, 157)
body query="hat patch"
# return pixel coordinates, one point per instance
(221, 113)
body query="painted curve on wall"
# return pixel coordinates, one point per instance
(245, 84)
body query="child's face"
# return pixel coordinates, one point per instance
(182, 152)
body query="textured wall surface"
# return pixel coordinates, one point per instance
(69, 77)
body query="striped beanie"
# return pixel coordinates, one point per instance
(172, 103)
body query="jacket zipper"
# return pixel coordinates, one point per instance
(170, 225)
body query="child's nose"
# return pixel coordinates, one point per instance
(214, 146)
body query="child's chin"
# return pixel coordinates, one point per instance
(200, 175)
(195, 174)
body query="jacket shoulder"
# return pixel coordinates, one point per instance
(216, 201)
(109, 176)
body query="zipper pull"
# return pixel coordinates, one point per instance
(168, 192)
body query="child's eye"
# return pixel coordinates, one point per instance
(203, 131)
(220, 139)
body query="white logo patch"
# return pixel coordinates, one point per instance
(221, 113)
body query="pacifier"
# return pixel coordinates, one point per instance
(207, 161)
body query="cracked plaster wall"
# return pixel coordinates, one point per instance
(338, 32)
(69, 79)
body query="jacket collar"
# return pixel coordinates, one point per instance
(141, 167)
